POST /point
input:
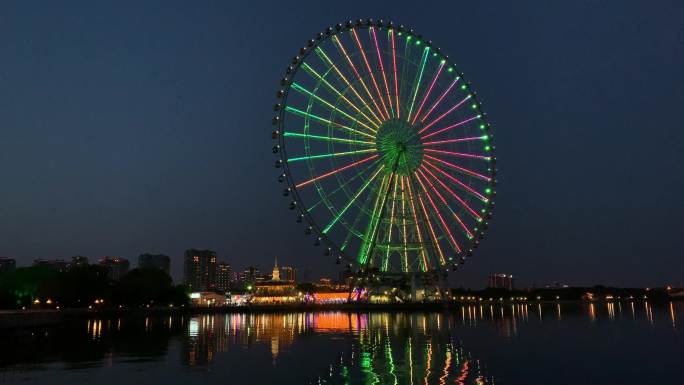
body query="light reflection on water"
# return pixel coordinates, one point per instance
(460, 346)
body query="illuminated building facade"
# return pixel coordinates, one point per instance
(155, 261)
(224, 276)
(500, 281)
(199, 270)
(116, 267)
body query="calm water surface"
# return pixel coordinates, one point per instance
(604, 343)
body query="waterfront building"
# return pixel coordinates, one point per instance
(57, 264)
(116, 267)
(199, 270)
(224, 276)
(7, 264)
(155, 261)
(275, 290)
(500, 281)
(207, 299)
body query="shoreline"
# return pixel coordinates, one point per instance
(31, 318)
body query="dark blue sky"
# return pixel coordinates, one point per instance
(145, 127)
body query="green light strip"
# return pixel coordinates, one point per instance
(329, 105)
(385, 262)
(331, 155)
(360, 174)
(417, 83)
(372, 224)
(361, 190)
(313, 72)
(328, 138)
(318, 118)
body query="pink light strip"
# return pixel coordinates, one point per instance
(445, 114)
(358, 75)
(459, 168)
(432, 84)
(461, 154)
(458, 219)
(336, 171)
(370, 71)
(469, 139)
(382, 67)
(440, 99)
(458, 198)
(396, 83)
(458, 182)
(439, 215)
(449, 127)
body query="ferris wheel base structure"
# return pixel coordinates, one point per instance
(398, 287)
(387, 157)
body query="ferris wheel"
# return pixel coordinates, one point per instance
(384, 149)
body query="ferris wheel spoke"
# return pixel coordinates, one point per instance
(453, 194)
(335, 171)
(330, 106)
(370, 71)
(439, 100)
(382, 70)
(415, 221)
(330, 155)
(368, 243)
(459, 168)
(458, 154)
(450, 110)
(330, 63)
(404, 262)
(427, 94)
(458, 182)
(345, 184)
(457, 140)
(394, 64)
(417, 81)
(432, 230)
(353, 231)
(326, 121)
(389, 233)
(315, 74)
(329, 139)
(449, 127)
(446, 204)
(348, 205)
(359, 77)
(445, 227)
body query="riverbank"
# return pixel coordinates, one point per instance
(30, 318)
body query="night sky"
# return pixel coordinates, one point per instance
(146, 128)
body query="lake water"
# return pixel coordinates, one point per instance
(571, 343)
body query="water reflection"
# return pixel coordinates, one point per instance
(404, 354)
(394, 348)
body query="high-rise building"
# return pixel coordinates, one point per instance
(78, 261)
(249, 276)
(155, 261)
(116, 267)
(288, 273)
(199, 270)
(57, 264)
(224, 276)
(7, 264)
(500, 281)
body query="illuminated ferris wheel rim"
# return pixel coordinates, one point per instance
(379, 122)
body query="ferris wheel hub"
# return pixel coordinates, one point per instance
(399, 147)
